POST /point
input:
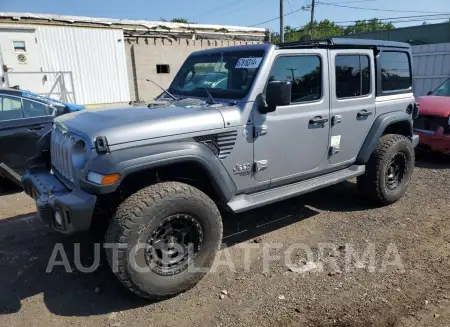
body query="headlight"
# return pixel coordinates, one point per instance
(79, 155)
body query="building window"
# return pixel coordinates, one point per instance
(19, 46)
(162, 69)
(303, 72)
(352, 76)
(395, 71)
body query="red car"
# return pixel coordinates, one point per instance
(433, 123)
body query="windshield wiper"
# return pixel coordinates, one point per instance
(210, 100)
(164, 90)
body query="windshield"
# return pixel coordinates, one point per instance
(443, 90)
(227, 75)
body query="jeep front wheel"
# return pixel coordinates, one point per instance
(388, 171)
(165, 237)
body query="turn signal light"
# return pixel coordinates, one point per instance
(110, 179)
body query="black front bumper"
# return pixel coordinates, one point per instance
(76, 207)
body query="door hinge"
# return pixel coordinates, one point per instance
(260, 165)
(259, 130)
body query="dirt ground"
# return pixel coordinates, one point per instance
(414, 290)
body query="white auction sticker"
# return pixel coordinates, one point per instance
(248, 62)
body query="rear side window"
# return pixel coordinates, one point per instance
(34, 109)
(10, 108)
(304, 73)
(352, 76)
(395, 71)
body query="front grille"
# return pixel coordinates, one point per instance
(432, 123)
(60, 151)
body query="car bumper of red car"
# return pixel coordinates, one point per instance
(434, 143)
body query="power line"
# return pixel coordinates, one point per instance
(354, 21)
(375, 9)
(304, 28)
(234, 2)
(424, 17)
(276, 18)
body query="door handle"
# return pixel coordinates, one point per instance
(318, 120)
(36, 127)
(364, 113)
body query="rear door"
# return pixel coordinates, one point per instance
(22, 123)
(352, 102)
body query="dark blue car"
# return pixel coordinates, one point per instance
(24, 118)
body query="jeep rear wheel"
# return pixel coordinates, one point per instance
(167, 236)
(388, 171)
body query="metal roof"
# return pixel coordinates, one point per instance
(126, 24)
(343, 42)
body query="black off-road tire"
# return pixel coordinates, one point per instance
(138, 217)
(373, 185)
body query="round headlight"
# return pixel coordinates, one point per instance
(79, 155)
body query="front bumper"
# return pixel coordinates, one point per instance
(434, 143)
(75, 207)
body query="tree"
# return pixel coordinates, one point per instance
(326, 28)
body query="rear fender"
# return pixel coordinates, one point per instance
(380, 125)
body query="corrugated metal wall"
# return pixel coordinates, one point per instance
(431, 66)
(95, 56)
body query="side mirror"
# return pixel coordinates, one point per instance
(277, 94)
(430, 93)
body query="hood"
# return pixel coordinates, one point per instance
(126, 123)
(70, 106)
(434, 106)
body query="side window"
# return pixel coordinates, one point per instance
(352, 76)
(395, 71)
(10, 108)
(34, 109)
(305, 74)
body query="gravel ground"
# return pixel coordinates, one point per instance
(408, 284)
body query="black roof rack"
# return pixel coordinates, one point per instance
(343, 43)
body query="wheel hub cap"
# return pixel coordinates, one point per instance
(174, 244)
(396, 171)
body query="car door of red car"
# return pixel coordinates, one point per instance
(22, 123)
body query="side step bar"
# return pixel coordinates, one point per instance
(245, 202)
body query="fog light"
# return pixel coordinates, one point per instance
(58, 219)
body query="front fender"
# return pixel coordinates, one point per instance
(135, 159)
(376, 131)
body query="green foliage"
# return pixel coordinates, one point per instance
(326, 28)
(181, 20)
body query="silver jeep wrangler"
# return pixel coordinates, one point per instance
(238, 128)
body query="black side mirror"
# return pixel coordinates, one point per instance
(277, 94)
(430, 93)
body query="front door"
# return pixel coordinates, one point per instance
(352, 102)
(295, 137)
(22, 123)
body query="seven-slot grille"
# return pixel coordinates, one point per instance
(60, 151)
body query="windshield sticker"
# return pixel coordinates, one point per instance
(249, 62)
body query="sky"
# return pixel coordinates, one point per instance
(234, 12)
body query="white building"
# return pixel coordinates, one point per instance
(96, 60)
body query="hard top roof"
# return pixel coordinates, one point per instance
(343, 43)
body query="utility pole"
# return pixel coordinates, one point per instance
(292, 70)
(281, 21)
(312, 19)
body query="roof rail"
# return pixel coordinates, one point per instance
(343, 43)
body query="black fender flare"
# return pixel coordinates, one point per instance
(134, 159)
(376, 131)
